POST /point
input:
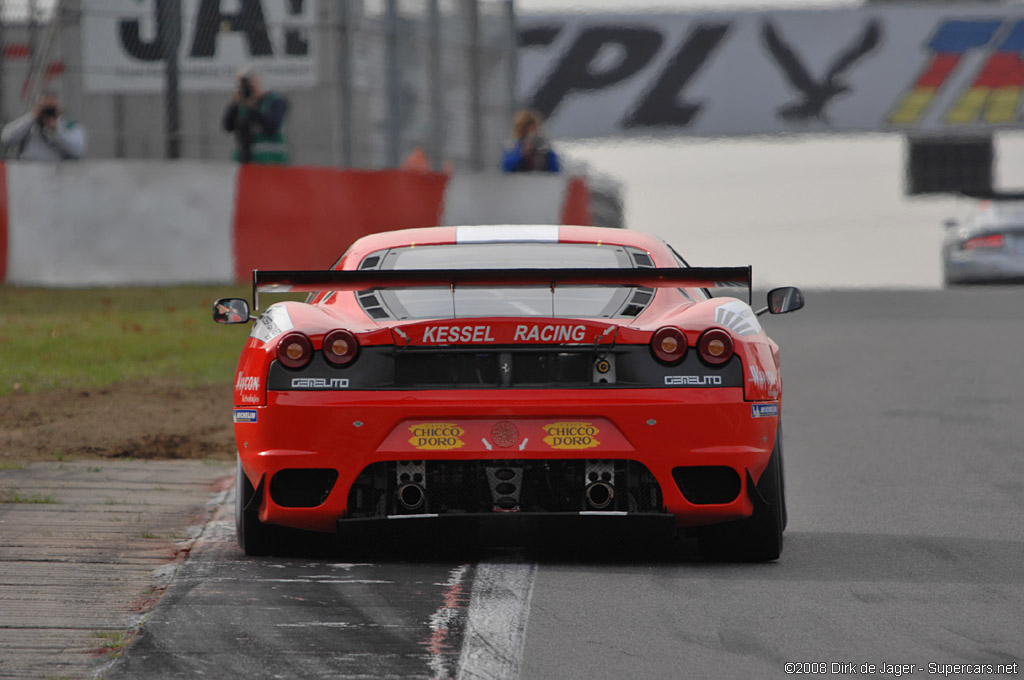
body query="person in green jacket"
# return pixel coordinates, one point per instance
(256, 117)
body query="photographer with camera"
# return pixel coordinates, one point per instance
(44, 134)
(530, 150)
(256, 117)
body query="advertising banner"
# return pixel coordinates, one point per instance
(123, 44)
(938, 69)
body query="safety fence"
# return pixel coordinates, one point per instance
(370, 83)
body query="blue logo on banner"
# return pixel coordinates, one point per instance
(245, 415)
(763, 410)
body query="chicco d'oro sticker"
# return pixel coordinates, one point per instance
(436, 436)
(571, 435)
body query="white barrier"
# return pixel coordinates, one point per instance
(114, 223)
(504, 199)
(119, 223)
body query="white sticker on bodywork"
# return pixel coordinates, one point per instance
(737, 317)
(507, 232)
(272, 323)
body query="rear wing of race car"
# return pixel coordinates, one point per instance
(316, 281)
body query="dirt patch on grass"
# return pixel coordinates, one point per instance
(145, 420)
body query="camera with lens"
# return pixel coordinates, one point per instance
(46, 113)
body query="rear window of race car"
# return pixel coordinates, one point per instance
(599, 302)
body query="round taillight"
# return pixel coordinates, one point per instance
(294, 350)
(340, 347)
(715, 346)
(669, 345)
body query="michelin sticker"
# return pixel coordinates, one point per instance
(246, 415)
(272, 323)
(737, 317)
(764, 410)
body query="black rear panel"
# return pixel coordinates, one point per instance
(447, 368)
(494, 369)
(515, 366)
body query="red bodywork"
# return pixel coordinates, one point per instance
(662, 427)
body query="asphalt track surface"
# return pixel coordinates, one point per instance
(904, 444)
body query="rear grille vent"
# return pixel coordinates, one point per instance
(302, 488)
(632, 310)
(370, 301)
(707, 484)
(642, 296)
(457, 487)
(370, 262)
(642, 260)
(638, 302)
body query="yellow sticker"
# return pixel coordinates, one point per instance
(436, 436)
(571, 435)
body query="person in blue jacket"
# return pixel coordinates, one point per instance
(530, 151)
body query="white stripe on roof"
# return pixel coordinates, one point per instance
(507, 232)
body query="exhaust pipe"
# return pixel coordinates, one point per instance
(600, 495)
(411, 496)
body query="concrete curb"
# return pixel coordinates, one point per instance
(88, 549)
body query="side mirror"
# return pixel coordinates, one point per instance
(231, 310)
(950, 223)
(785, 299)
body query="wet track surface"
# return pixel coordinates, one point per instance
(905, 480)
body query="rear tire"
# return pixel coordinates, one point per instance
(759, 537)
(254, 537)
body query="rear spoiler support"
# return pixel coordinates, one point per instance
(317, 281)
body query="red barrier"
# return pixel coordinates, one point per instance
(576, 204)
(3, 222)
(304, 218)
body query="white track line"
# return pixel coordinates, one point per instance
(444, 623)
(492, 646)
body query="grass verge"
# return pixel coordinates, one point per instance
(94, 337)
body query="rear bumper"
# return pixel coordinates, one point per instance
(662, 429)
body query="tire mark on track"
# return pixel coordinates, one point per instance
(230, 614)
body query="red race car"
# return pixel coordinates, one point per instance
(510, 373)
